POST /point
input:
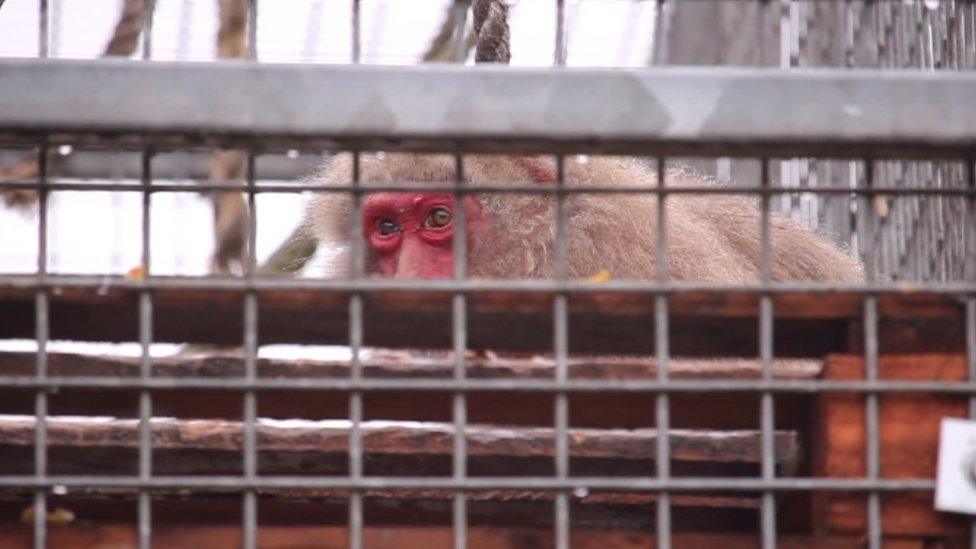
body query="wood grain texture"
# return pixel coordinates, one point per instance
(609, 409)
(807, 325)
(909, 429)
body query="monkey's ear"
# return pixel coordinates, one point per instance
(540, 169)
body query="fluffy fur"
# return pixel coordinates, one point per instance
(712, 238)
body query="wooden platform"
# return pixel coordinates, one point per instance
(103, 446)
(597, 409)
(702, 323)
(197, 430)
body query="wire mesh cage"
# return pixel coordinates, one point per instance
(690, 305)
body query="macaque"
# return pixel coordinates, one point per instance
(710, 238)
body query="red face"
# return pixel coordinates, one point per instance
(411, 234)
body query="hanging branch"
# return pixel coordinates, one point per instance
(125, 39)
(230, 208)
(123, 43)
(441, 48)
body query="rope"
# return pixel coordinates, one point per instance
(491, 26)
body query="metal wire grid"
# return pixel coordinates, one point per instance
(873, 484)
(916, 236)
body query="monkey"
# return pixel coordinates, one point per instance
(709, 237)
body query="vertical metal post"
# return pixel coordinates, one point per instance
(145, 323)
(662, 351)
(662, 18)
(145, 365)
(356, 29)
(971, 374)
(459, 335)
(252, 30)
(147, 29)
(561, 343)
(250, 510)
(355, 365)
(560, 316)
(41, 319)
(969, 225)
(871, 362)
(560, 49)
(461, 20)
(250, 367)
(356, 327)
(766, 418)
(42, 333)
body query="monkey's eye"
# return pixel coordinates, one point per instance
(386, 227)
(439, 218)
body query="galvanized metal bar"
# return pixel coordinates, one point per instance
(873, 434)
(560, 314)
(495, 188)
(785, 386)
(969, 273)
(873, 450)
(249, 520)
(559, 51)
(109, 166)
(40, 412)
(44, 30)
(461, 19)
(662, 408)
(969, 269)
(356, 32)
(624, 484)
(471, 285)
(356, 342)
(147, 28)
(356, 418)
(766, 418)
(459, 331)
(252, 30)
(722, 112)
(42, 326)
(561, 419)
(145, 316)
(971, 374)
(145, 362)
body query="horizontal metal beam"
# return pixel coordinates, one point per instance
(673, 111)
(113, 165)
(630, 484)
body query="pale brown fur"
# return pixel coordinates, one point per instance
(710, 238)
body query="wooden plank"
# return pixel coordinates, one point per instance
(394, 364)
(85, 536)
(610, 409)
(109, 446)
(703, 410)
(391, 448)
(909, 429)
(500, 509)
(807, 324)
